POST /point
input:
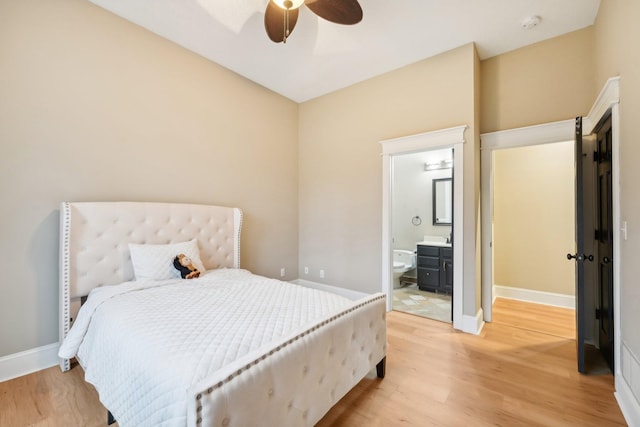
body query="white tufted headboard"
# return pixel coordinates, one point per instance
(94, 238)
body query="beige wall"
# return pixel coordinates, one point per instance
(95, 108)
(616, 53)
(340, 167)
(541, 83)
(533, 218)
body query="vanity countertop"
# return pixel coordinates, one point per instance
(432, 243)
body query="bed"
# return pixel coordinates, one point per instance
(228, 348)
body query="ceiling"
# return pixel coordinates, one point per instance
(321, 57)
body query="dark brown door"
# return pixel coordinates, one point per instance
(604, 236)
(579, 256)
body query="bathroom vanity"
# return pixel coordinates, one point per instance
(435, 267)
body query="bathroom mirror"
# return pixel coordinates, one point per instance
(442, 201)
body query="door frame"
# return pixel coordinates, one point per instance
(440, 139)
(608, 99)
(549, 133)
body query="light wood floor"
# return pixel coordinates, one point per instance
(510, 375)
(507, 376)
(557, 321)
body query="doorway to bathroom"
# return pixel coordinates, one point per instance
(451, 139)
(422, 233)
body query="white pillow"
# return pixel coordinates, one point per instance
(156, 261)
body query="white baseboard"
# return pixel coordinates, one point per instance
(28, 361)
(473, 324)
(628, 404)
(347, 293)
(538, 297)
(628, 386)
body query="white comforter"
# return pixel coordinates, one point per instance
(143, 344)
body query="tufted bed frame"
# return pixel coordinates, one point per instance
(94, 239)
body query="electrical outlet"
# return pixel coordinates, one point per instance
(282, 272)
(322, 274)
(306, 270)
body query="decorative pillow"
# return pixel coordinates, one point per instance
(156, 261)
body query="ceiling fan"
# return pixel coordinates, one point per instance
(281, 15)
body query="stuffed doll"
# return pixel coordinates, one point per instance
(183, 264)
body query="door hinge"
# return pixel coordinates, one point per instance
(598, 313)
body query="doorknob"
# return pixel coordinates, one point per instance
(606, 260)
(583, 257)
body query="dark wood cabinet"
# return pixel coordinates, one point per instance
(435, 268)
(446, 261)
(428, 268)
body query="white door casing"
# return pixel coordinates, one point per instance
(440, 139)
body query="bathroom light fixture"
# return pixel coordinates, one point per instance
(444, 164)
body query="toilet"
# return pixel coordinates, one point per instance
(403, 261)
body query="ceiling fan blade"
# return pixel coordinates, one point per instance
(347, 12)
(274, 21)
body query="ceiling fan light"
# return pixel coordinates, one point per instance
(292, 4)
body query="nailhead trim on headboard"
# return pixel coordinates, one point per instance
(65, 316)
